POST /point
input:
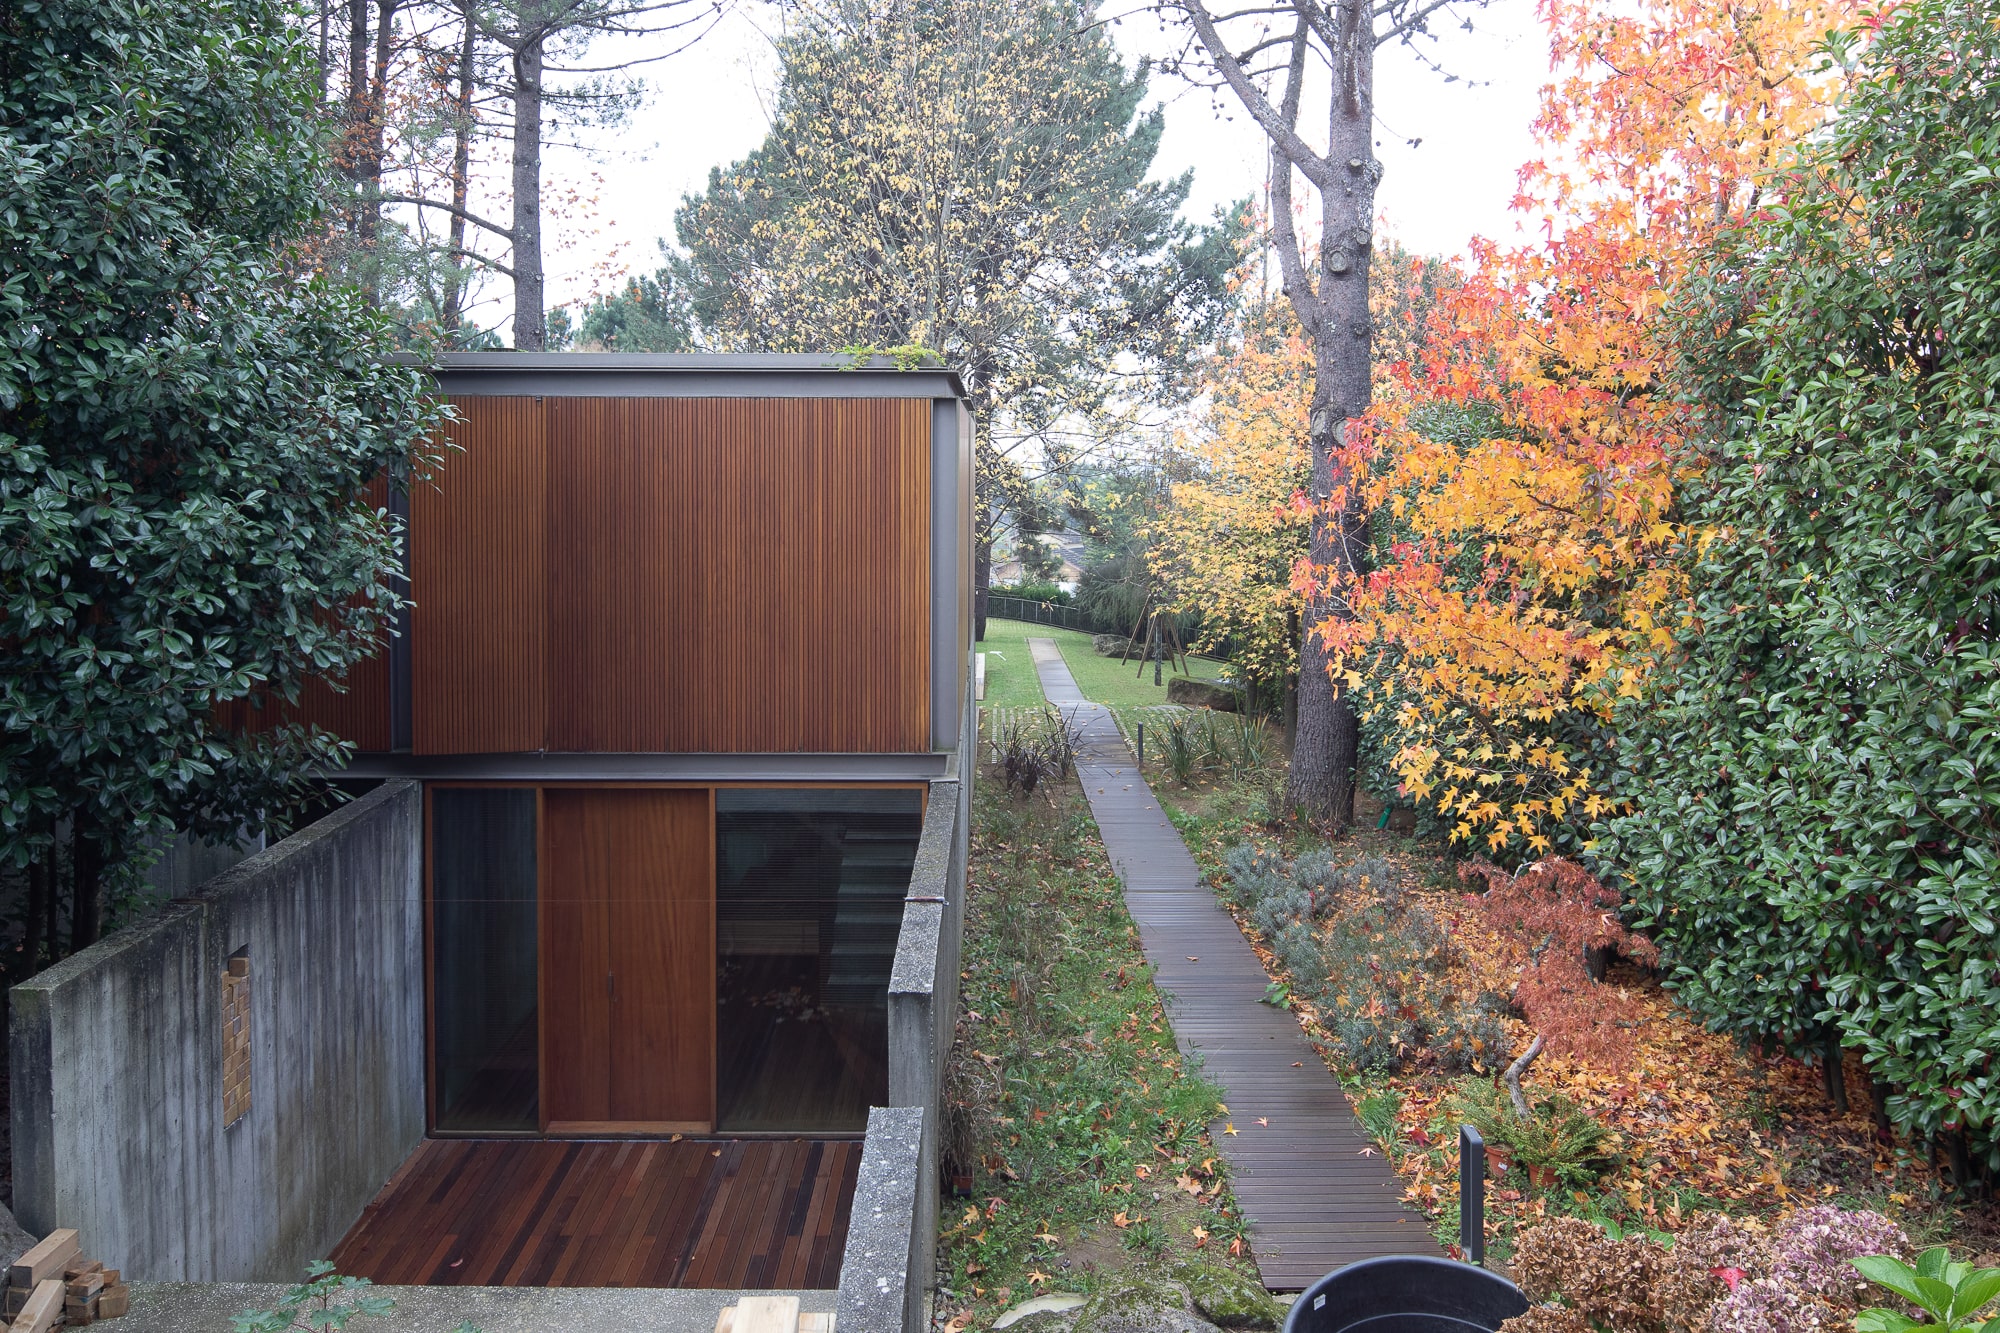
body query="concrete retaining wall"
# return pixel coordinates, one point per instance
(118, 1060)
(923, 997)
(884, 1273)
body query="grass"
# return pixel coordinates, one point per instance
(1081, 1123)
(1010, 670)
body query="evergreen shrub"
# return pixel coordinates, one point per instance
(1816, 780)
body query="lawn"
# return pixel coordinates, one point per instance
(1081, 1126)
(1010, 670)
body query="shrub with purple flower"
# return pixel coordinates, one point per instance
(1720, 1275)
(1816, 1247)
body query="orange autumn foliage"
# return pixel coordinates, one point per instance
(1526, 579)
(1548, 917)
(1228, 545)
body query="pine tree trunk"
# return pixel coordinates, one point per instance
(86, 909)
(374, 138)
(1321, 783)
(530, 322)
(325, 46)
(357, 98)
(452, 310)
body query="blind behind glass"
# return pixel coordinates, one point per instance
(483, 958)
(809, 903)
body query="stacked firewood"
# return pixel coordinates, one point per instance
(54, 1286)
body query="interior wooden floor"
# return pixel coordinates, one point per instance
(755, 1214)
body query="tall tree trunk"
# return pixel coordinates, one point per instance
(351, 146)
(452, 313)
(325, 47)
(31, 923)
(368, 171)
(86, 909)
(1321, 781)
(530, 322)
(52, 905)
(982, 574)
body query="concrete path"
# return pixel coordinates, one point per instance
(1317, 1191)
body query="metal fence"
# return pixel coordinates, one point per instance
(1043, 613)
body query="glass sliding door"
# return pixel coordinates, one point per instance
(484, 1034)
(809, 903)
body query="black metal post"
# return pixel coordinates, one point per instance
(1472, 1196)
(1142, 745)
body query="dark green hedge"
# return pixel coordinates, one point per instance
(1817, 843)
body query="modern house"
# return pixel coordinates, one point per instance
(680, 724)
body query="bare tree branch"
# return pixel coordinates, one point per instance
(1284, 136)
(452, 209)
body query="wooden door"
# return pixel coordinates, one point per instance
(628, 961)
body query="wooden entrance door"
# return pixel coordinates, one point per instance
(628, 961)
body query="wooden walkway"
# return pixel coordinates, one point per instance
(1314, 1186)
(756, 1214)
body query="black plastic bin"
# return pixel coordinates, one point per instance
(1406, 1294)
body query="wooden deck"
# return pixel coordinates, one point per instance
(1312, 1183)
(756, 1214)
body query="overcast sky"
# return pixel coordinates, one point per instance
(707, 107)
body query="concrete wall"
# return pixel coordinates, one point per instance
(884, 1274)
(189, 863)
(923, 1000)
(117, 1060)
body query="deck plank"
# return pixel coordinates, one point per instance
(612, 1213)
(1312, 1183)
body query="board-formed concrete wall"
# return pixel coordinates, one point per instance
(923, 1003)
(118, 1060)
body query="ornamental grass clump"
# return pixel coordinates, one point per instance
(1557, 1144)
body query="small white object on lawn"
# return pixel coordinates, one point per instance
(1055, 1300)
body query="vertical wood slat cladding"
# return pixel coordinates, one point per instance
(479, 578)
(738, 575)
(358, 713)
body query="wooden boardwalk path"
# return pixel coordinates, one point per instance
(1317, 1191)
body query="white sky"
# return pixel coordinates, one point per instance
(707, 107)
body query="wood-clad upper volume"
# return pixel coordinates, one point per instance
(676, 575)
(479, 578)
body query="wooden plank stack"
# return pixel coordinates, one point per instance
(55, 1286)
(770, 1314)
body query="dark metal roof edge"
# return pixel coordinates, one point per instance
(489, 371)
(569, 766)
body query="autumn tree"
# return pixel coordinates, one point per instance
(1532, 569)
(1233, 536)
(1237, 529)
(1560, 927)
(187, 429)
(970, 177)
(1267, 55)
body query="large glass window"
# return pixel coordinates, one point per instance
(809, 902)
(483, 1010)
